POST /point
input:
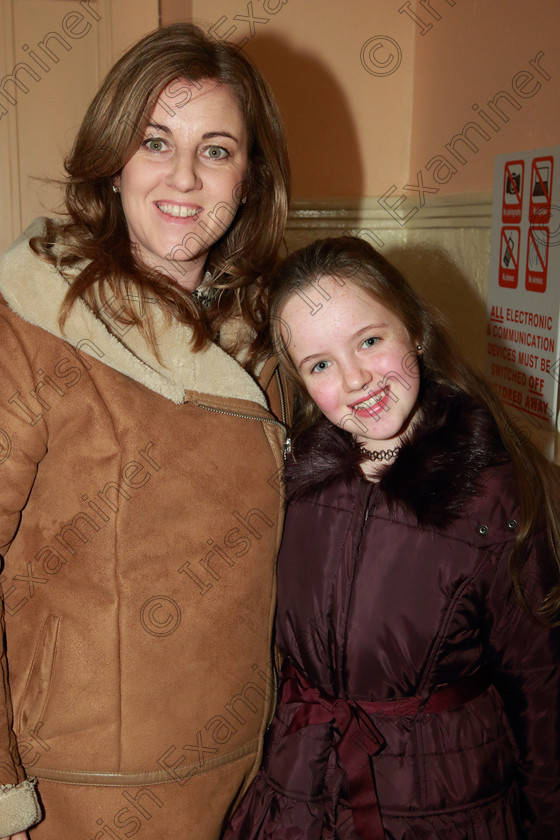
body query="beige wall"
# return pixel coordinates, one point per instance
(376, 94)
(478, 49)
(175, 11)
(334, 111)
(370, 96)
(356, 127)
(53, 56)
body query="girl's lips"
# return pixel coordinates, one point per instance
(371, 396)
(373, 404)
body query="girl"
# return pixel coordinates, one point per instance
(418, 580)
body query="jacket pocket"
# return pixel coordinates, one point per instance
(38, 683)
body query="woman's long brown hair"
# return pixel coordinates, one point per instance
(96, 232)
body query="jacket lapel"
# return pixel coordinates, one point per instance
(34, 290)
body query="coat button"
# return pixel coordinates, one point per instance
(483, 530)
(512, 524)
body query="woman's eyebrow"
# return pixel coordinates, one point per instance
(210, 134)
(159, 127)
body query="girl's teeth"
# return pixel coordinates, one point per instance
(371, 402)
(178, 210)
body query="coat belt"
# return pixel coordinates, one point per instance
(356, 738)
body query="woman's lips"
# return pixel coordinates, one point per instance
(178, 211)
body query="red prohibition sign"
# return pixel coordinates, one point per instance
(512, 197)
(542, 170)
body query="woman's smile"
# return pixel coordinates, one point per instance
(181, 189)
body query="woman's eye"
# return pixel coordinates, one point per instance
(319, 367)
(154, 144)
(216, 152)
(370, 342)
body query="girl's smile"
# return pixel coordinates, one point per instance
(356, 360)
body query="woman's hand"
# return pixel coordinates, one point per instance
(21, 835)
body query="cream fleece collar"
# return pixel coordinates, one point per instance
(34, 290)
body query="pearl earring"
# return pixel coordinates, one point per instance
(115, 188)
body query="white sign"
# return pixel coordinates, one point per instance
(523, 331)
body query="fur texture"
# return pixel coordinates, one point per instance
(437, 469)
(34, 290)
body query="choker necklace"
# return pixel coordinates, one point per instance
(382, 455)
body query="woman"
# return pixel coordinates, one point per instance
(139, 506)
(417, 581)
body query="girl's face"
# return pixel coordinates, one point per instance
(356, 360)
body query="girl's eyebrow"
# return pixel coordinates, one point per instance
(369, 327)
(308, 358)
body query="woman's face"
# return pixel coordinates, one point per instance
(181, 189)
(356, 360)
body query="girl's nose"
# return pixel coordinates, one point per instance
(356, 377)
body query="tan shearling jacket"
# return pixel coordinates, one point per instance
(140, 514)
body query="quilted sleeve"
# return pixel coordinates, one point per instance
(525, 660)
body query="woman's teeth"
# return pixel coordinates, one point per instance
(178, 210)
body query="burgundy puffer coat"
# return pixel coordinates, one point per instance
(417, 699)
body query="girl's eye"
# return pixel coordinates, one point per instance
(319, 367)
(371, 341)
(154, 144)
(216, 152)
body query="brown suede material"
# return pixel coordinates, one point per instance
(139, 536)
(149, 812)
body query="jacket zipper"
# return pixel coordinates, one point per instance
(242, 416)
(248, 417)
(287, 443)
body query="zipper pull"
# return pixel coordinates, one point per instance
(287, 447)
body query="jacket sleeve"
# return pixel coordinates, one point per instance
(23, 444)
(524, 657)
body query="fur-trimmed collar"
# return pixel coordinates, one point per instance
(438, 467)
(34, 290)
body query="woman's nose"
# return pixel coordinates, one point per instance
(183, 173)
